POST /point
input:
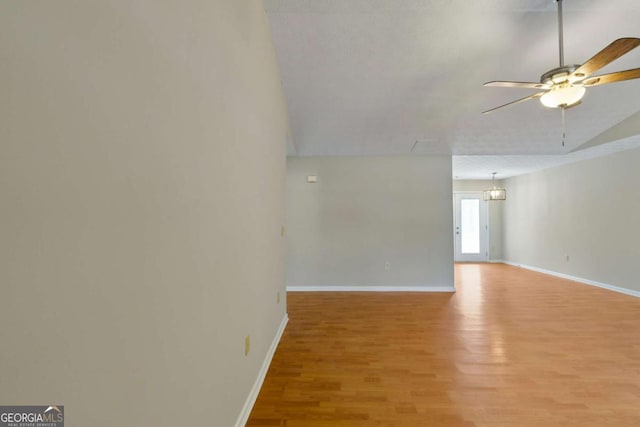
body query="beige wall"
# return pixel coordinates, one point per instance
(587, 211)
(142, 167)
(364, 212)
(495, 212)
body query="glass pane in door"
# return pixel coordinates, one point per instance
(470, 226)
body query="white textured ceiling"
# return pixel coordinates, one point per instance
(372, 77)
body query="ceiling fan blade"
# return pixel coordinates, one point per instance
(526, 98)
(607, 55)
(612, 77)
(526, 85)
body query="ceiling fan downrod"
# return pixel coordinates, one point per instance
(560, 36)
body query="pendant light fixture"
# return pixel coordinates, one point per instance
(495, 193)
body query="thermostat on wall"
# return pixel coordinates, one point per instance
(312, 179)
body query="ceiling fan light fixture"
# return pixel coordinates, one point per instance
(565, 85)
(562, 96)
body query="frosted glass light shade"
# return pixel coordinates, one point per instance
(562, 96)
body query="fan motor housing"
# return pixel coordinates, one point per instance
(558, 75)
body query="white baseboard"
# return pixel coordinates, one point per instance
(253, 395)
(577, 279)
(371, 289)
(497, 261)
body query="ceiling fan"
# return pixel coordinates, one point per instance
(564, 87)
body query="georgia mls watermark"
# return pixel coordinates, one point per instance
(32, 416)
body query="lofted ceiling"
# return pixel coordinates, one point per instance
(404, 77)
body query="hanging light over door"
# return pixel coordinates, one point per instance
(495, 193)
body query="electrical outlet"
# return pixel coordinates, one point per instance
(247, 345)
(567, 258)
(387, 266)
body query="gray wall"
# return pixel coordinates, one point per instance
(587, 211)
(364, 212)
(142, 167)
(495, 212)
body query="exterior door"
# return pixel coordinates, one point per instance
(471, 229)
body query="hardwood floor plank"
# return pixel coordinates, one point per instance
(511, 347)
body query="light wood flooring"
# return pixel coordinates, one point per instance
(511, 347)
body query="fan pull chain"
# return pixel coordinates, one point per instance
(563, 127)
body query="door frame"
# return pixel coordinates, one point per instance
(484, 228)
